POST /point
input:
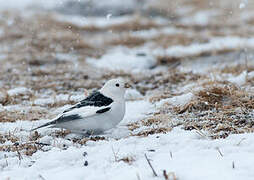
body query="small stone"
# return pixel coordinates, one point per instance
(86, 163)
(84, 154)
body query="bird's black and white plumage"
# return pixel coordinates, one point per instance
(100, 111)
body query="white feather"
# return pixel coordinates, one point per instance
(85, 111)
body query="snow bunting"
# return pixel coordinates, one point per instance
(100, 111)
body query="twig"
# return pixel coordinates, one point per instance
(165, 175)
(5, 156)
(171, 154)
(41, 177)
(219, 151)
(148, 161)
(200, 132)
(19, 156)
(238, 144)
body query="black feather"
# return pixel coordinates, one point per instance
(103, 110)
(64, 118)
(95, 99)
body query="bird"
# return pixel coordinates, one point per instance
(100, 111)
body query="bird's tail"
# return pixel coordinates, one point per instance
(44, 125)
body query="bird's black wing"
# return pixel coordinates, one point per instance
(61, 119)
(95, 99)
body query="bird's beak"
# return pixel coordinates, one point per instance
(127, 85)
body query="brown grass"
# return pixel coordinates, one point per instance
(167, 40)
(30, 115)
(27, 148)
(135, 24)
(128, 159)
(238, 69)
(92, 138)
(127, 40)
(220, 110)
(219, 98)
(154, 125)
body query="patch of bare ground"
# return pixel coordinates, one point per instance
(220, 108)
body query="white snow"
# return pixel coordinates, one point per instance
(243, 4)
(176, 100)
(44, 101)
(100, 22)
(215, 44)
(192, 158)
(251, 74)
(201, 18)
(24, 4)
(123, 59)
(57, 98)
(240, 79)
(19, 91)
(137, 110)
(133, 94)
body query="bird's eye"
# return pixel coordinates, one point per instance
(117, 85)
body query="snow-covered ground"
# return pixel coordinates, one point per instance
(183, 153)
(170, 58)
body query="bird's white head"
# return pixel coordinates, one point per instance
(115, 88)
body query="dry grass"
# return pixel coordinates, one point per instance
(127, 40)
(33, 144)
(136, 24)
(83, 141)
(45, 36)
(27, 148)
(157, 81)
(152, 125)
(128, 159)
(220, 98)
(30, 115)
(238, 69)
(219, 109)
(168, 40)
